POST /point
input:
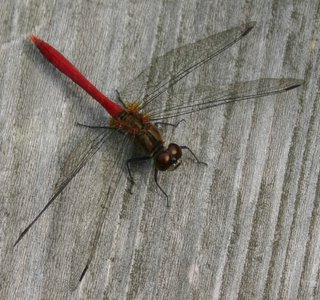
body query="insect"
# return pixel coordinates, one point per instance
(130, 117)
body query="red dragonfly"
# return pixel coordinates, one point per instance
(130, 117)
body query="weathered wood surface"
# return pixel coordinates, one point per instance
(247, 226)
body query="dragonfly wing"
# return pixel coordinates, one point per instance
(82, 153)
(165, 71)
(87, 242)
(75, 162)
(201, 98)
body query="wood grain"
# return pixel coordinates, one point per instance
(245, 227)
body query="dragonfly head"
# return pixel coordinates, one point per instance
(168, 159)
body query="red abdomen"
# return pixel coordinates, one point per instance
(67, 68)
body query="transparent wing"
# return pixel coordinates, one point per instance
(201, 98)
(75, 162)
(167, 70)
(85, 251)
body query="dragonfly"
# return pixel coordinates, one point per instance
(135, 117)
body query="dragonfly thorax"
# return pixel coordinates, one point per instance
(168, 159)
(144, 134)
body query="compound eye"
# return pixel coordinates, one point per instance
(163, 161)
(175, 151)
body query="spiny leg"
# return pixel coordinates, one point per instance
(195, 157)
(161, 189)
(170, 124)
(94, 127)
(118, 98)
(135, 159)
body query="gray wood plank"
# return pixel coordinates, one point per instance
(246, 226)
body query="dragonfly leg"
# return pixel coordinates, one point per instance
(170, 124)
(160, 188)
(196, 158)
(135, 159)
(90, 126)
(118, 98)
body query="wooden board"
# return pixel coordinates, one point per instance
(244, 227)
